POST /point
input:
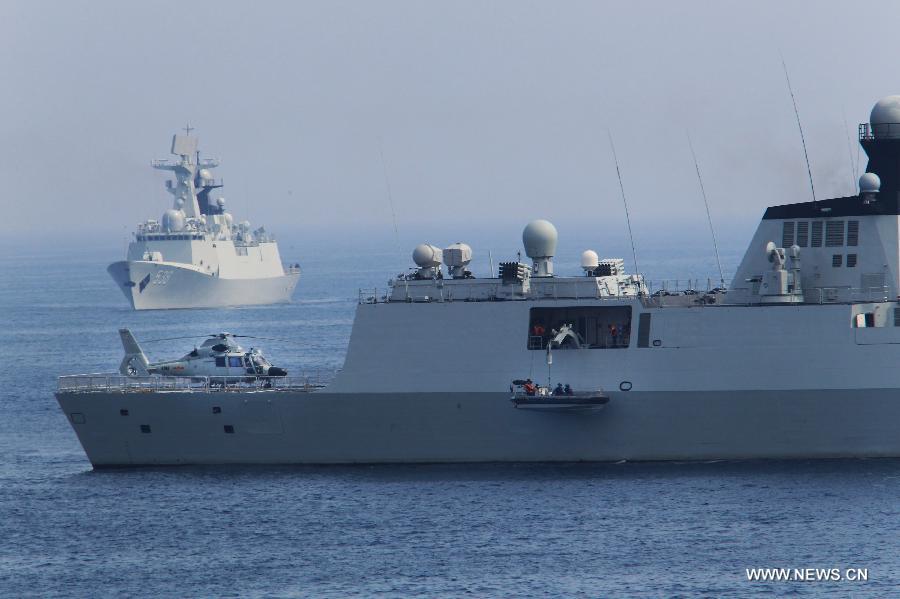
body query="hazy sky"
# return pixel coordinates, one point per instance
(489, 113)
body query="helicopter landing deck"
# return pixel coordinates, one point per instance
(106, 383)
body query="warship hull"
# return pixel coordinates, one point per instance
(166, 285)
(330, 428)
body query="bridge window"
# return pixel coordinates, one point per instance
(220, 362)
(851, 260)
(852, 232)
(836, 260)
(834, 233)
(787, 235)
(816, 234)
(235, 362)
(599, 327)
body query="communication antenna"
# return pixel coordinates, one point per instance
(624, 200)
(387, 184)
(390, 196)
(491, 261)
(853, 176)
(708, 217)
(800, 127)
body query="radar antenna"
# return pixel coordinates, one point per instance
(800, 127)
(624, 200)
(708, 217)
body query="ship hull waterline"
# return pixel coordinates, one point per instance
(162, 429)
(161, 285)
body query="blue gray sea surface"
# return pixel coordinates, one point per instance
(573, 530)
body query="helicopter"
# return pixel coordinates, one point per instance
(218, 356)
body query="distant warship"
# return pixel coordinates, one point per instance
(196, 256)
(797, 359)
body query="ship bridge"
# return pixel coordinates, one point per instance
(843, 249)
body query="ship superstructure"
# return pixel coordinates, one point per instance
(796, 360)
(196, 255)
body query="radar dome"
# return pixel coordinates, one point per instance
(220, 202)
(172, 220)
(539, 239)
(886, 110)
(205, 174)
(457, 254)
(869, 183)
(229, 220)
(427, 256)
(179, 203)
(590, 260)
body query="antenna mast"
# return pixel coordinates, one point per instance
(853, 171)
(800, 127)
(624, 201)
(387, 184)
(708, 217)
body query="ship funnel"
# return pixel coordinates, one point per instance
(539, 239)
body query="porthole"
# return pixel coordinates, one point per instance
(123, 412)
(229, 429)
(145, 428)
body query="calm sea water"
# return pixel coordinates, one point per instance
(651, 530)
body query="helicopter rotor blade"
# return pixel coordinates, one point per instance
(170, 338)
(264, 338)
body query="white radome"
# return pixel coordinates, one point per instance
(173, 220)
(427, 256)
(457, 254)
(886, 110)
(869, 183)
(539, 239)
(590, 260)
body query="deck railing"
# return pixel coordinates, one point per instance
(115, 383)
(485, 290)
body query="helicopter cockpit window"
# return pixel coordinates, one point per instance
(220, 362)
(235, 362)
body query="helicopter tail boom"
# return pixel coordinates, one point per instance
(135, 362)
